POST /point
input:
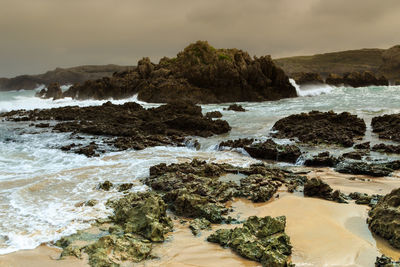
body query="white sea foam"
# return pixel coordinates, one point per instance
(312, 90)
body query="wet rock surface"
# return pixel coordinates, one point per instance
(384, 261)
(384, 218)
(260, 239)
(387, 126)
(129, 125)
(383, 148)
(365, 199)
(304, 78)
(199, 224)
(236, 107)
(199, 73)
(53, 91)
(362, 146)
(371, 169)
(323, 159)
(214, 114)
(317, 188)
(318, 127)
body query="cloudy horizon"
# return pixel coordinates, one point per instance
(41, 35)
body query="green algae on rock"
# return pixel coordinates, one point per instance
(143, 214)
(385, 218)
(260, 239)
(199, 224)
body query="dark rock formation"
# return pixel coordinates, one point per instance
(363, 146)
(214, 114)
(387, 148)
(236, 107)
(238, 143)
(318, 188)
(371, 169)
(130, 124)
(385, 218)
(384, 261)
(356, 79)
(357, 155)
(387, 126)
(200, 73)
(334, 79)
(365, 199)
(321, 128)
(272, 151)
(304, 78)
(323, 159)
(53, 91)
(73, 75)
(260, 239)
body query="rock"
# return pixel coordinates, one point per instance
(110, 250)
(89, 150)
(106, 186)
(125, 187)
(143, 214)
(365, 199)
(357, 155)
(91, 202)
(317, 188)
(199, 224)
(42, 125)
(384, 261)
(334, 79)
(321, 128)
(304, 78)
(260, 239)
(365, 146)
(236, 107)
(213, 114)
(384, 218)
(372, 169)
(130, 125)
(272, 151)
(238, 143)
(394, 149)
(200, 73)
(53, 91)
(387, 126)
(323, 159)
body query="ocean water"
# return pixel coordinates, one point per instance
(41, 187)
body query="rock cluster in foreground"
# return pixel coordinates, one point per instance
(260, 239)
(318, 127)
(200, 73)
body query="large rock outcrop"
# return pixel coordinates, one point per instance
(321, 128)
(199, 73)
(356, 79)
(387, 126)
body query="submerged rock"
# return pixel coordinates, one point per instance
(321, 128)
(213, 114)
(394, 149)
(236, 107)
(200, 73)
(363, 146)
(260, 239)
(384, 218)
(387, 126)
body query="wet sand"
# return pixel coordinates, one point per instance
(323, 233)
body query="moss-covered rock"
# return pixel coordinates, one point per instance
(384, 218)
(143, 214)
(199, 224)
(260, 239)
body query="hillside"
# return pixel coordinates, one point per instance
(379, 61)
(61, 75)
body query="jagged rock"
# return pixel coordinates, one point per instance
(213, 114)
(384, 218)
(394, 149)
(387, 126)
(363, 146)
(130, 125)
(238, 143)
(236, 107)
(323, 159)
(384, 261)
(106, 186)
(356, 79)
(272, 151)
(260, 239)
(365, 199)
(199, 224)
(110, 250)
(303, 78)
(199, 73)
(357, 155)
(317, 188)
(89, 150)
(321, 128)
(372, 169)
(125, 187)
(143, 214)
(53, 91)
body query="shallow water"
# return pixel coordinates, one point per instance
(40, 185)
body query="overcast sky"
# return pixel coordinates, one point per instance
(39, 35)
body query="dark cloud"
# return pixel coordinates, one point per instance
(42, 34)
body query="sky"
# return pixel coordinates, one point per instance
(40, 35)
